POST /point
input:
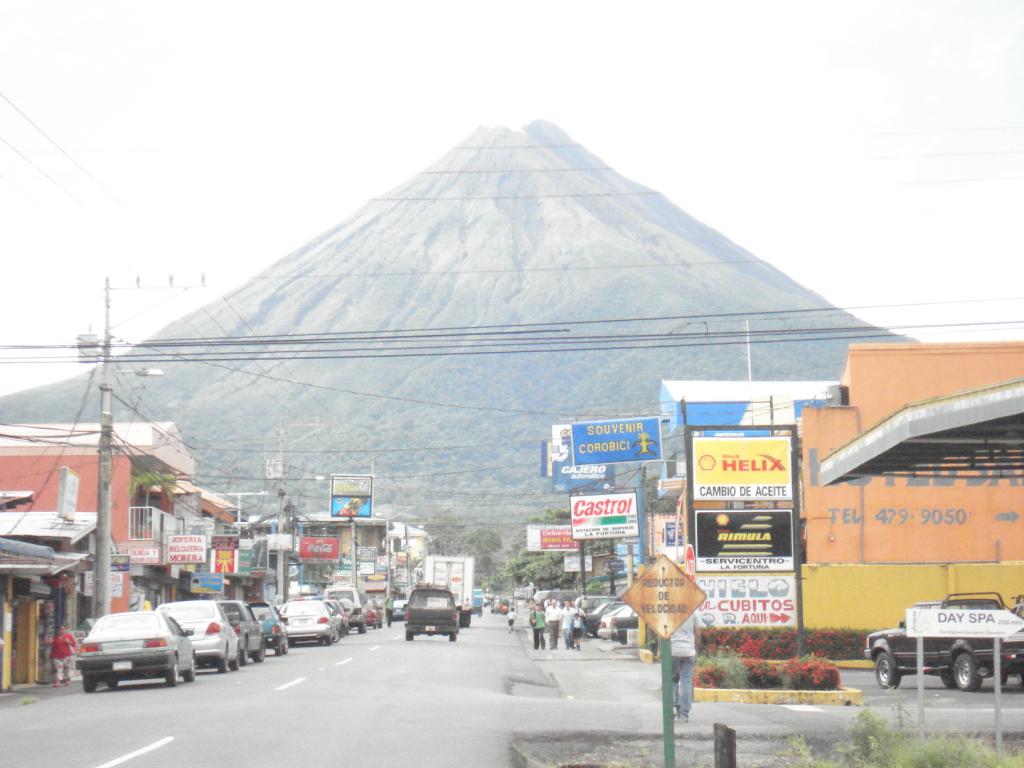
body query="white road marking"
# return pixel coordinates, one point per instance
(137, 752)
(343, 661)
(375, 648)
(397, 637)
(803, 707)
(296, 681)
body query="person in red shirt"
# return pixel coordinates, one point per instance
(62, 651)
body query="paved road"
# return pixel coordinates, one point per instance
(376, 700)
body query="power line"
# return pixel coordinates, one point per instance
(52, 180)
(47, 136)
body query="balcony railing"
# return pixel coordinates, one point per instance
(150, 524)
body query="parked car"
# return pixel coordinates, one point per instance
(593, 619)
(358, 600)
(213, 638)
(431, 611)
(398, 610)
(275, 631)
(615, 623)
(340, 617)
(590, 603)
(960, 662)
(308, 620)
(248, 629)
(134, 646)
(373, 616)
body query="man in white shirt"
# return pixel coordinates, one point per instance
(685, 644)
(553, 620)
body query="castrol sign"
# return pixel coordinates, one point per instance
(604, 516)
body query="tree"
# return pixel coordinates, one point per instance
(447, 534)
(164, 482)
(484, 544)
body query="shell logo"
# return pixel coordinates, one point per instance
(706, 462)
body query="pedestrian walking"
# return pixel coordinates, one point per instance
(568, 622)
(389, 608)
(685, 644)
(511, 618)
(578, 625)
(537, 622)
(553, 620)
(62, 651)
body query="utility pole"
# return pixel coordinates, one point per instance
(408, 563)
(101, 564)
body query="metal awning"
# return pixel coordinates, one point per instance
(47, 525)
(10, 549)
(967, 433)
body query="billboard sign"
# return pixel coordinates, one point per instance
(67, 494)
(742, 469)
(351, 496)
(224, 560)
(616, 441)
(186, 548)
(604, 516)
(595, 477)
(120, 562)
(748, 601)
(206, 583)
(224, 541)
(744, 540)
(550, 538)
(253, 556)
(961, 622)
(319, 548)
(571, 563)
(144, 555)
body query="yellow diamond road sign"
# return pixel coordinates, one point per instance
(664, 597)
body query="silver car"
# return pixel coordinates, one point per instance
(213, 638)
(135, 646)
(308, 620)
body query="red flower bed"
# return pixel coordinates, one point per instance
(811, 673)
(781, 643)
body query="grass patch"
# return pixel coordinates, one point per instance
(872, 744)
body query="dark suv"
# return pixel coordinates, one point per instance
(248, 629)
(431, 611)
(960, 662)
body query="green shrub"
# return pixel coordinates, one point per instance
(762, 674)
(730, 671)
(872, 744)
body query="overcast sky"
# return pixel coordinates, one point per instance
(874, 151)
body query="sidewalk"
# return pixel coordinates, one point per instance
(22, 695)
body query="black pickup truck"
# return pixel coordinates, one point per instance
(960, 662)
(431, 611)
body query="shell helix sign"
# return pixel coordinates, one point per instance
(742, 469)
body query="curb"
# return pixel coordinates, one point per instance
(855, 664)
(843, 697)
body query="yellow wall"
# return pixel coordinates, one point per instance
(876, 596)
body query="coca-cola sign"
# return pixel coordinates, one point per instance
(320, 548)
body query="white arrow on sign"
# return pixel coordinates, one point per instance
(961, 622)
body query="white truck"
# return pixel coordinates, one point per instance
(455, 574)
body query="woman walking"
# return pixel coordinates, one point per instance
(537, 622)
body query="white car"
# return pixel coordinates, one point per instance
(606, 629)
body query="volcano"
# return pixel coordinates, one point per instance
(435, 335)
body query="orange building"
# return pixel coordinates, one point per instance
(938, 519)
